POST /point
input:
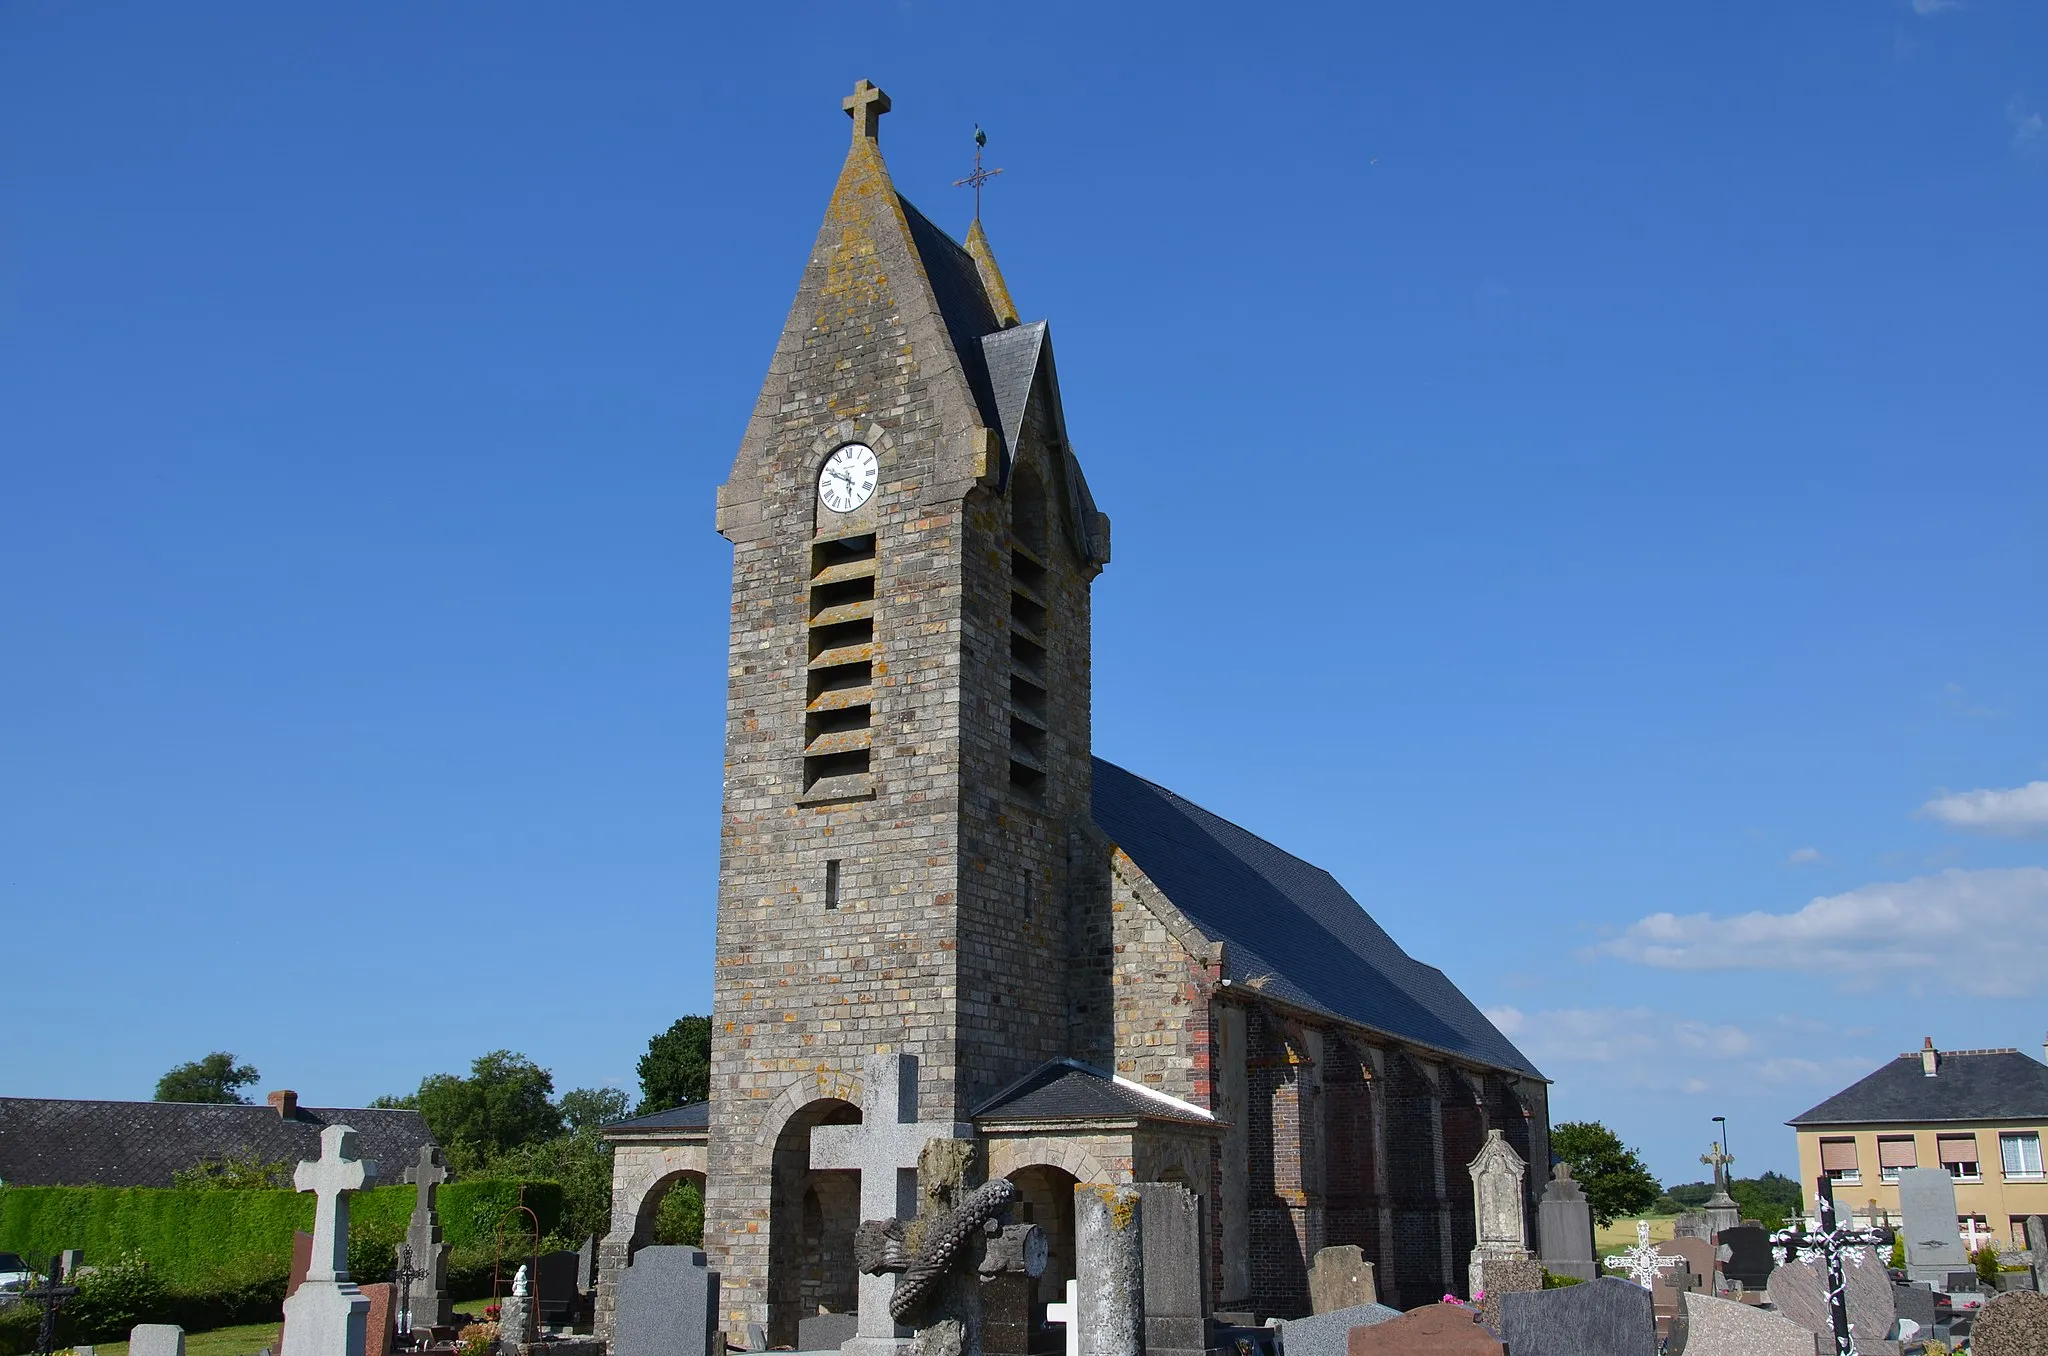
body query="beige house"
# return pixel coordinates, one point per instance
(1981, 1114)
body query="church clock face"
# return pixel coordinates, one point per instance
(848, 478)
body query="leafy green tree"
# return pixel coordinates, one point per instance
(1613, 1176)
(582, 1162)
(506, 1102)
(396, 1101)
(216, 1078)
(676, 1070)
(1691, 1195)
(679, 1219)
(1767, 1199)
(592, 1108)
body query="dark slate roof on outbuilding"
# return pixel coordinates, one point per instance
(694, 1116)
(58, 1142)
(1067, 1089)
(1288, 929)
(1968, 1085)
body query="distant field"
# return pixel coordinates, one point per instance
(1622, 1233)
(246, 1340)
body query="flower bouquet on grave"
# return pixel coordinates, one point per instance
(478, 1339)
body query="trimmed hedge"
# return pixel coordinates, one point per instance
(214, 1242)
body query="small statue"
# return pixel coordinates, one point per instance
(519, 1281)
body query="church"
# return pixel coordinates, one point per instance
(922, 857)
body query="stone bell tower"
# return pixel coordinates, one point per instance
(905, 850)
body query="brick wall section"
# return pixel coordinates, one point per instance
(1352, 1200)
(1464, 1118)
(1162, 989)
(1415, 1179)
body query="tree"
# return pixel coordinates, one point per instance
(1613, 1176)
(676, 1070)
(591, 1108)
(505, 1102)
(213, 1079)
(1767, 1199)
(1691, 1195)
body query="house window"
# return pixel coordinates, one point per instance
(2019, 1230)
(1838, 1161)
(1959, 1156)
(1893, 1153)
(2021, 1155)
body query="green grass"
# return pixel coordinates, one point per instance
(1622, 1233)
(242, 1341)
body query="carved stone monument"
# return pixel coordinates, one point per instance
(327, 1315)
(1934, 1249)
(1503, 1231)
(1564, 1226)
(428, 1300)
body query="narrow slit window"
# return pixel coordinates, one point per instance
(832, 884)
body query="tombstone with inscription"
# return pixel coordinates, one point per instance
(327, 1315)
(1934, 1249)
(555, 1294)
(667, 1305)
(1340, 1278)
(1176, 1252)
(1564, 1226)
(1604, 1317)
(1798, 1291)
(1692, 1224)
(1500, 1227)
(1698, 1256)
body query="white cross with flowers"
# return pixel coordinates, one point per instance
(1642, 1262)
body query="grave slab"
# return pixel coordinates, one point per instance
(667, 1304)
(1799, 1291)
(825, 1332)
(1176, 1253)
(1329, 1334)
(2012, 1324)
(1433, 1330)
(1604, 1317)
(156, 1339)
(1719, 1327)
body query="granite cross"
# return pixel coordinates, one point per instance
(1718, 1159)
(865, 106)
(427, 1174)
(1827, 1247)
(1643, 1261)
(331, 1178)
(881, 1148)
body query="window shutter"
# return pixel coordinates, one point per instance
(1838, 1155)
(1958, 1149)
(1897, 1153)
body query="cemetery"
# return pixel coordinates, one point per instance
(1012, 1051)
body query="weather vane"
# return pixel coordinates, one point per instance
(980, 175)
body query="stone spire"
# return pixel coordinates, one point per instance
(991, 276)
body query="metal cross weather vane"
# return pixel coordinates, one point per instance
(980, 175)
(1642, 1262)
(1827, 1247)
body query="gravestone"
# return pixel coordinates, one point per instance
(1914, 1300)
(586, 1268)
(667, 1304)
(1719, 1327)
(428, 1300)
(1927, 1201)
(1750, 1260)
(1698, 1256)
(884, 1149)
(2037, 1246)
(156, 1339)
(1604, 1317)
(1564, 1226)
(825, 1332)
(2012, 1324)
(1432, 1330)
(1692, 1224)
(1067, 1314)
(1499, 1226)
(1799, 1290)
(1174, 1242)
(1340, 1278)
(1329, 1334)
(326, 1315)
(1109, 1260)
(380, 1325)
(559, 1301)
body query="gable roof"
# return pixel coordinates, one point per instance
(1971, 1085)
(963, 304)
(694, 1116)
(1067, 1089)
(1289, 930)
(47, 1141)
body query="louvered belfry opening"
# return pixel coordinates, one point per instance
(1029, 616)
(840, 696)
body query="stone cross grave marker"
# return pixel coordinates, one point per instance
(327, 1315)
(427, 1303)
(1643, 1261)
(882, 1148)
(1068, 1316)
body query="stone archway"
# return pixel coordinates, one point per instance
(812, 1216)
(1046, 1198)
(650, 1204)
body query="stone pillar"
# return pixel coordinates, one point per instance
(1383, 1201)
(612, 1256)
(1110, 1259)
(1315, 1157)
(1433, 1074)
(1233, 1105)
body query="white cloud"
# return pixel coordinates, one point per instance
(1611, 1035)
(2018, 810)
(1984, 930)
(1802, 856)
(2028, 129)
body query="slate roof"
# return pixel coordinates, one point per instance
(963, 304)
(58, 1142)
(1987, 1085)
(1067, 1089)
(1289, 930)
(695, 1116)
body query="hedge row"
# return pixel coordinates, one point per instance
(214, 1241)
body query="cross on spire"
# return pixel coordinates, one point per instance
(331, 1178)
(980, 175)
(865, 106)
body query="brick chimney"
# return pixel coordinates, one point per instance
(285, 1102)
(1928, 1057)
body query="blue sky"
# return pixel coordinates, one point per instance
(1577, 472)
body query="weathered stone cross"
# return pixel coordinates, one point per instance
(337, 1173)
(882, 1148)
(428, 1174)
(865, 106)
(1718, 1159)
